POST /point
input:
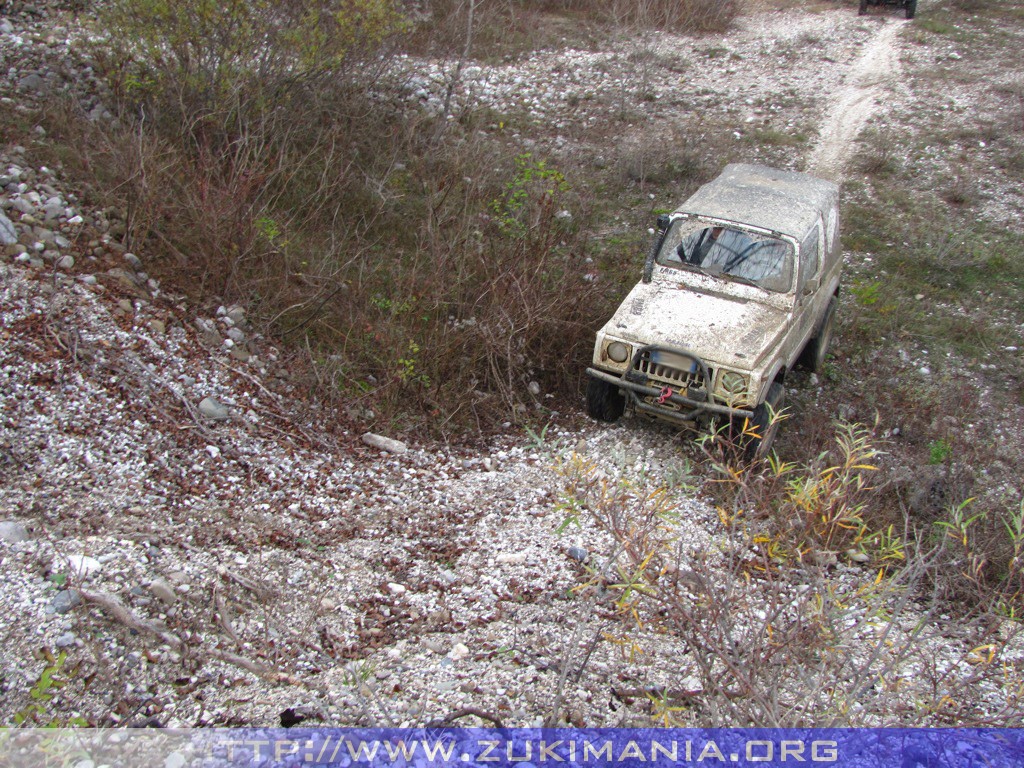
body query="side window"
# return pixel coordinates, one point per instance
(809, 256)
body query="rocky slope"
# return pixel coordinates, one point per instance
(188, 541)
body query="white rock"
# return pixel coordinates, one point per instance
(396, 589)
(8, 234)
(513, 558)
(82, 566)
(13, 532)
(163, 591)
(433, 645)
(384, 443)
(213, 409)
(458, 652)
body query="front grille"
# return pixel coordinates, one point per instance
(670, 369)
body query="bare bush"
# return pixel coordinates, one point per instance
(495, 298)
(669, 15)
(422, 290)
(877, 155)
(777, 632)
(675, 15)
(683, 157)
(508, 26)
(256, 157)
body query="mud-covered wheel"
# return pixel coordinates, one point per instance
(911, 8)
(763, 427)
(814, 354)
(863, 7)
(604, 401)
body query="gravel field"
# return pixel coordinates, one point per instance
(209, 547)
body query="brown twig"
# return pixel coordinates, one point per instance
(466, 712)
(121, 613)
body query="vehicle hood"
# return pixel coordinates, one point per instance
(726, 330)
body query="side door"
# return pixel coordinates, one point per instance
(810, 301)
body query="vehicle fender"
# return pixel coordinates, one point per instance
(776, 373)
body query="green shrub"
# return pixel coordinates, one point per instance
(205, 58)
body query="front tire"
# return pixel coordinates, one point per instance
(863, 7)
(604, 401)
(764, 426)
(911, 8)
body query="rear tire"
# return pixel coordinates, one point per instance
(604, 401)
(762, 423)
(863, 7)
(911, 8)
(814, 354)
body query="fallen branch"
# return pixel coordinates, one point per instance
(224, 617)
(121, 613)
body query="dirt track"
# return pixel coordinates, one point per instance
(850, 108)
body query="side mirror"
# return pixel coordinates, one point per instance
(659, 238)
(811, 286)
(664, 220)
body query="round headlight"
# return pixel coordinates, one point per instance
(618, 352)
(734, 383)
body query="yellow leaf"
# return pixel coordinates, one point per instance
(983, 654)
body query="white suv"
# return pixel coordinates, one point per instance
(740, 285)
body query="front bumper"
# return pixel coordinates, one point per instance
(647, 398)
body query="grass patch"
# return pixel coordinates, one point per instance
(772, 137)
(961, 263)
(934, 25)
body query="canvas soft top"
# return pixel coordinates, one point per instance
(779, 201)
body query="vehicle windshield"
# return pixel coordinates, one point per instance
(729, 253)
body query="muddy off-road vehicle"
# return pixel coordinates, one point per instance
(740, 285)
(909, 6)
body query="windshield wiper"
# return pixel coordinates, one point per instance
(690, 267)
(742, 279)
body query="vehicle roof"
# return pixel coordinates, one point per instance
(779, 201)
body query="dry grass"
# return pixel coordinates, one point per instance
(506, 28)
